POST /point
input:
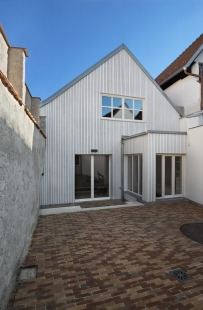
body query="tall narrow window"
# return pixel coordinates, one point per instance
(130, 173)
(158, 176)
(168, 175)
(178, 176)
(135, 174)
(200, 69)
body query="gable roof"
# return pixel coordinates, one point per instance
(183, 60)
(99, 63)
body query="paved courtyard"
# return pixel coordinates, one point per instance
(114, 259)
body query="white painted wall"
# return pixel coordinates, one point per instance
(194, 165)
(75, 125)
(187, 92)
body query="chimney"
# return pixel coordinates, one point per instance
(35, 104)
(16, 69)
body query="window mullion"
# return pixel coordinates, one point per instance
(138, 174)
(163, 177)
(132, 175)
(92, 176)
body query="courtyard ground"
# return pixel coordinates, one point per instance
(114, 259)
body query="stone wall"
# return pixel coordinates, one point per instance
(22, 149)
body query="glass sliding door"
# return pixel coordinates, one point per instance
(91, 176)
(101, 176)
(135, 174)
(168, 175)
(82, 176)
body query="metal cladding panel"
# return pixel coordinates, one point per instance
(75, 126)
(149, 145)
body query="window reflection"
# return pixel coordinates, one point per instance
(106, 112)
(122, 108)
(106, 101)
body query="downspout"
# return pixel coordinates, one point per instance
(201, 79)
(122, 169)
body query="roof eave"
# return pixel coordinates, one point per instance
(188, 64)
(82, 75)
(118, 49)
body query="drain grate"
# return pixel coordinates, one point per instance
(180, 275)
(27, 273)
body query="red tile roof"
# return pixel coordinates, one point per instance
(181, 61)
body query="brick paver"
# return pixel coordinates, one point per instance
(114, 259)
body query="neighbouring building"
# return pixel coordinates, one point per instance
(22, 149)
(182, 81)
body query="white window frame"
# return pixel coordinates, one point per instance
(163, 156)
(122, 108)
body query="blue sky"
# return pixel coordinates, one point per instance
(66, 37)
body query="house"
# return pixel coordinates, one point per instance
(22, 150)
(113, 132)
(182, 81)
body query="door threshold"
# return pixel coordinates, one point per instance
(90, 199)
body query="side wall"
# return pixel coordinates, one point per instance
(75, 124)
(22, 151)
(194, 165)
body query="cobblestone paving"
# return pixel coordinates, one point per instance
(114, 259)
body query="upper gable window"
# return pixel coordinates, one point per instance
(122, 108)
(200, 70)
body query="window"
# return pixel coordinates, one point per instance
(135, 174)
(200, 70)
(122, 108)
(168, 175)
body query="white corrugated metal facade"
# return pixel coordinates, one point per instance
(149, 145)
(75, 126)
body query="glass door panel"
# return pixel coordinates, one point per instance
(140, 175)
(178, 176)
(101, 176)
(135, 174)
(82, 176)
(158, 176)
(168, 175)
(130, 173)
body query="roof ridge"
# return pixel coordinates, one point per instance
(96, 65)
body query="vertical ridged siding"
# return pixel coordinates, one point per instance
(149, 145)
(74, 124)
